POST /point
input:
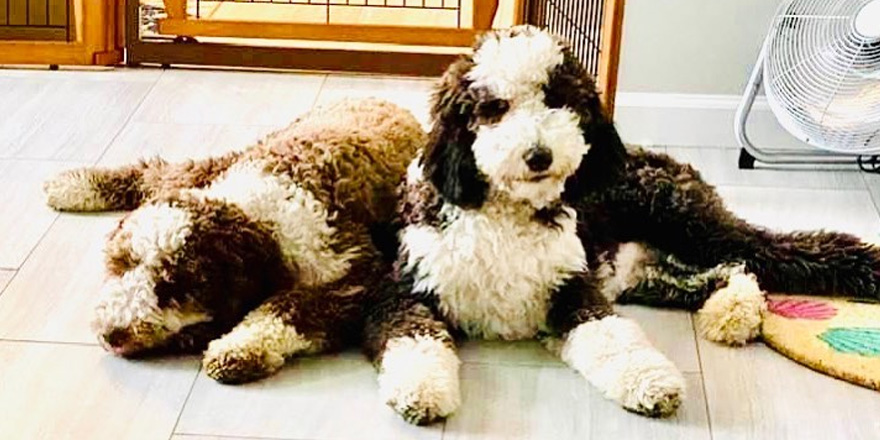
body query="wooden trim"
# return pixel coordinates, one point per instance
(44, 53)
(107, 58)
(484, 14)
(519, 12)
(612, 28)
(405, 35)
(31, 33)
(217, 54)
(191, 52)
(121, 23)
(176, 9)
(93, 36)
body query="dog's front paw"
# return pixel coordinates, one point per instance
(235, 365)
(418, 378)
(733, 315)
(614, 355)
(650, 384)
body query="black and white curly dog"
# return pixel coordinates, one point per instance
(526, 217)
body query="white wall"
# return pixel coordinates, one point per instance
(684, 64)
(691, 46)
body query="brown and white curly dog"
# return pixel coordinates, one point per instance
(257, 255)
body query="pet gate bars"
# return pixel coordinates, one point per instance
(201, 32)
(593, 27)
(46, 20)
(424, 5)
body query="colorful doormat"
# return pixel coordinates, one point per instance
(838, 337)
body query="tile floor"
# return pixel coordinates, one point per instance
(56, 383)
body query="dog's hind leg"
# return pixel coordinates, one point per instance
(294, 322)
(637, 274)
(669, 206)
(730, 302)
(127, 187)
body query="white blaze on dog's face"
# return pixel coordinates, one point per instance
(128, 316)
(525, 148)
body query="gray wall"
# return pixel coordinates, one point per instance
(691, 46)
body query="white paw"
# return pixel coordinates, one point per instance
(733, 315)
(647, 383)
(419, 379)
(614, 355)
(73, 191)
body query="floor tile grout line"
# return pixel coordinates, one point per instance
(554, 366)
(192, 386)
(874, 200)
(320, 90)
(129, 119)
(508, 364)
(8, 281)
(702, 378)
(44, 160)
(794, 188)
(30, 253)
(237, 437)
(37, 341)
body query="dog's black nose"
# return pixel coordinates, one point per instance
(538, 158)
(116, 338)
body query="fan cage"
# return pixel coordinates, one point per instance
(822, 78)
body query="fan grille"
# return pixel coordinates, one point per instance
(822, 77)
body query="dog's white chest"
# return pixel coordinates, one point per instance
(494, 270)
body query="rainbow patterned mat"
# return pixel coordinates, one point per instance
(835, 336)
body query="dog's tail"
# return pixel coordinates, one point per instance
(676, 211)
(127, 187)
(812, 262)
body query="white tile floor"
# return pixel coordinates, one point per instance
(55, 383)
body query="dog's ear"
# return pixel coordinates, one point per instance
(449, 161)
(571, 86)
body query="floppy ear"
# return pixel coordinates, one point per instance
(604, 164)
(449, 161)
(572, 86)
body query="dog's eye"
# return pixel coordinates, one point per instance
(492, 109)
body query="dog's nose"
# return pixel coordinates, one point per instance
(116, 338)
(538, 158)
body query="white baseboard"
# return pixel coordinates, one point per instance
(694, 120)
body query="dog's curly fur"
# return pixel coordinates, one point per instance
(497, 245)
(273, 247)
(523, 217)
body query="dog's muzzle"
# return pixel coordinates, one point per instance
(538, 158)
